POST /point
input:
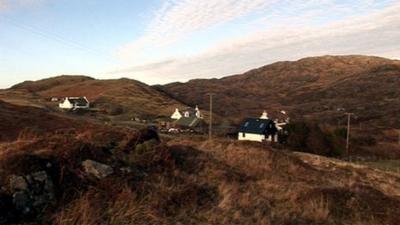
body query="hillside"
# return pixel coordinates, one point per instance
(124, 97)
(58, 170)
(314, 88)
(16, 120)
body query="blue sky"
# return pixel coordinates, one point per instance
(161, 41)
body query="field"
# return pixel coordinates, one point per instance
(387, 165)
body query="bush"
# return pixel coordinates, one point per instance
(148, 154)
(298, 133)
(309, 137)
(366, 140)
(340, 132)
(115, 110)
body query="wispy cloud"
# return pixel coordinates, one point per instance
(178, 19)
(13, 4)
(362, 30)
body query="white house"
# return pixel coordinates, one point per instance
(255, 129)
(176, 115)
(189, 112)
(74, 103)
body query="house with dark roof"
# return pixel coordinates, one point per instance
(192, 123)
(74, 103)
(258, 129)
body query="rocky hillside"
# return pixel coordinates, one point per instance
(312, 87)
(123, 97)
(74, 172)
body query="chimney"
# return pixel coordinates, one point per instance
(264, 115)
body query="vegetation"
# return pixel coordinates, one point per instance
(44, 179)
(309, 137)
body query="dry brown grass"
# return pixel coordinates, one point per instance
(93, 208)
(196, 182)
(284, 186)
(316, 209)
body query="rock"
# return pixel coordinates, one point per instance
(22, 201)
(97, 169)
(32, 193)
(40, 176)
(126, 170)
(18, 183)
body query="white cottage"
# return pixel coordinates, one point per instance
(189, 112)
(176, 115)
(74, 103)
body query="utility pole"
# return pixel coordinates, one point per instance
(211, 119)
(399, 136)
(348, 132)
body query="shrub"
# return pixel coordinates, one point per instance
(114, 110)
(340, 132)
(147, 154)
(309, 137)
(366, 140)
(298, 133)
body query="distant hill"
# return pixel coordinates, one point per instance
(318, 88)
(122, 97)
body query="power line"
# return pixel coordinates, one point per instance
(52, 36)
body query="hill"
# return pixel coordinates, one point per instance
(77, 172)
(317, 88)
(124, 97)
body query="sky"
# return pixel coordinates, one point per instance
(163, 41)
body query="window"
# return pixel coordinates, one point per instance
(246, 124)
(262, 125)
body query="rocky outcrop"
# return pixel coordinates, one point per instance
(31, 193)
(97, 169)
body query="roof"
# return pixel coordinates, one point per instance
(190, 109)
(79, 101)
(258, 126)
(188, 122)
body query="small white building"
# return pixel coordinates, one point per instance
(176, 115)
(189, 112)
(74, 103)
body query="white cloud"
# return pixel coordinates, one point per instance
(374, 33)
(178, 19)
(13, 4)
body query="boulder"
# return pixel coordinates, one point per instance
(40, 176)
(18, 183)
(97, 169)
(22, 201)
(32, 193)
